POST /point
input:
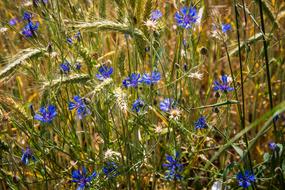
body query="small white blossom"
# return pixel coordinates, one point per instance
(196, 75)
(3, 29)
(151, 24)
(175, 114)
(111, 154)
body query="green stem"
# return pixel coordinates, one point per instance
(242, 85)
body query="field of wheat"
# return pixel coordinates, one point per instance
(142, 94)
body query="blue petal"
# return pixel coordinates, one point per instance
(25, 159)
(225, 79)
(77, 99)
(100, 77)
(184, 10)
(42, 110)
(71, 105)
(91, 177)
(76, 174)
(84, 171)
(81, 187)
(51, 108)
(192, 12)
(38, 117)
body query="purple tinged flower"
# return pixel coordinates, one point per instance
(65, 67)
(201, 123)
(78, 66)
(137, 105)
(104, 72)
(174, 167)
(110, 169)
(77, 35)
(13, 22)
(27, 154)
(272, 145)
(186, 17)
(224, 86)
(46, 114)
(155, 15)
(30, 29)
(226, 27)
(69, 41)
(27, 16)
(152, 78)
(167, 104)
(132, 80)
(80, 177)
(79, 106)
(245, 179)
(38, 1)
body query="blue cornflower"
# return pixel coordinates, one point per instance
(226, 27)
(69, 41)
(78, 66)
(174, 167)
(132, 80)
(30, 29)
(104, 72)
(186, 17)
(245, 179)
(77, 35)
(80, 106)
(27, 154)
(46, 114)
(272, 145)
(167, 104)
(201, 123)
(155, 15)
(110, 169)
(137, 105)
(80, 177)
(152, 78)
(65, 67)
(224, 86)
(27, 16)
(13, 22)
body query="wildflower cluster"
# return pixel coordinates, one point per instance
(159, 93)
(174, 167)
(30, 28)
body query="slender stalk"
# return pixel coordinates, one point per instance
(242, 85)
(280, 176)
(267, 65)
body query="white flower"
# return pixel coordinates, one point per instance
(121, 99)
(196, 75)
(3, 29)
(158, 129)
(54, 54)
(111, 154)
(27, 3)
(175, 114)
(151, 24)
(217, 185)
(230, 79)
(183, 53)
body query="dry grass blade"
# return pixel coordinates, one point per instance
(18, 59)
(268, 117)
(251, 40)
(65, 80)
(106, 25)
(268, 11)
(13, 107)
